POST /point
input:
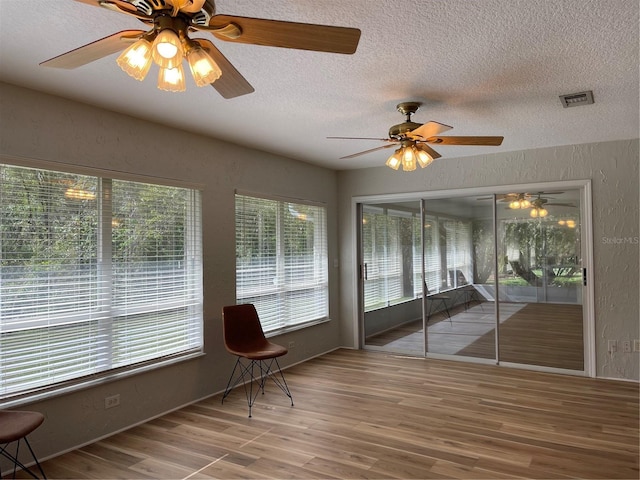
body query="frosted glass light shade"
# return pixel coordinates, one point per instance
(204, 70)
(136, 59)
(424, 158)
(172, 79)
(408, 160)
(167, 49)
(395, 160)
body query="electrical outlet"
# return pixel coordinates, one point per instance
(111, 401)
(626, 346)
(636, 345)
(613, 346)
(292, 345)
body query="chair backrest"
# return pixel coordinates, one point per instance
(241, 328)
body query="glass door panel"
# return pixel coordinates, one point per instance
(540, 279)
(458, 266)
(391, 252)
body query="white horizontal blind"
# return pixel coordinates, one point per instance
(391, 254)
(458, 248)
(95, 274)
(281, 260)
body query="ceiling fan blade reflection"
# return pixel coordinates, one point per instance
(277, 33)
(429, 129)
(95, 50)
(353, 155)
(482, 141)
(231, 83)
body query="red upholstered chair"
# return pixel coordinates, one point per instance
(244, 337)
(14, 427)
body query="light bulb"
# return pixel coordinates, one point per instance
(204, 70)
(543, 212)
(514, 205)
(525, 203)
(167, 49)
(171, 79)
(136, 59)
(534, 213)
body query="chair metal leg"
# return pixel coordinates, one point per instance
(18, 463)
(248, 375)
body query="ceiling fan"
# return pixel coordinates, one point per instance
(166, 41)
(413, 139)
(534, 201)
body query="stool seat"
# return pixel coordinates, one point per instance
(17, 424)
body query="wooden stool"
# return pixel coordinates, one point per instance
(15, 426)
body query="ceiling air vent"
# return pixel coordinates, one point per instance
(577, 99)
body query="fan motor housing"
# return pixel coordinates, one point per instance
(400, 130)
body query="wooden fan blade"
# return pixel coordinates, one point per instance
(94, 50)
(187, 6)
(362, 138)
(276, 33)
(429, 150)
(484, 141)
(428, 129)
(353, 155)
(231, 83)
(119, 6)
(120, 3)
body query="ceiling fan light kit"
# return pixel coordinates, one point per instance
(414, 139)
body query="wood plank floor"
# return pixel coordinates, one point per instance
(363, 414)
(542, 334)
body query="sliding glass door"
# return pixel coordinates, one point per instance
(459, 263)
(493, 277)
(390, 271)
(540, 279)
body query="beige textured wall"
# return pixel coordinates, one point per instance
(612, 168)
(43, 127)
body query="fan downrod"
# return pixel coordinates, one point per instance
(399, 131)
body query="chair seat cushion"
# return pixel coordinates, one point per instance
(263, 351)
(15, 424)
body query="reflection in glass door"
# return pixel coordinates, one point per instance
(390, 272)
(540, 279)
(459, 265)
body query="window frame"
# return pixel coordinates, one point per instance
(320, 264)
(103, 246)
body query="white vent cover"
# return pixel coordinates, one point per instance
(577, 99)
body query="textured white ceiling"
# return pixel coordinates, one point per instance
(486, 67)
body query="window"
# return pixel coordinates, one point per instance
(281, 261)
(96, 274)
(448, 252)
(391, 253)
